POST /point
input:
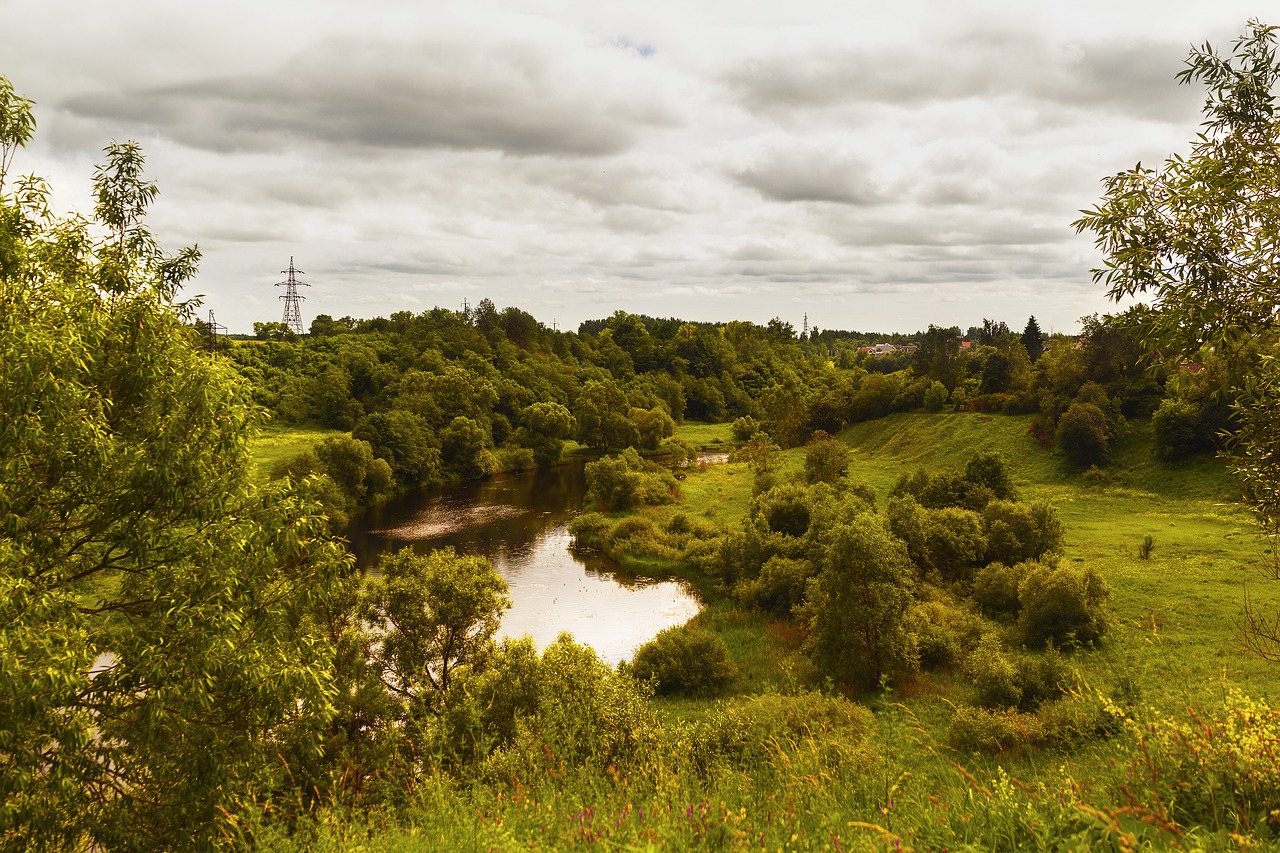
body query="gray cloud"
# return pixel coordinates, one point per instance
(1129, 76)
(800, 171)
(520, 98)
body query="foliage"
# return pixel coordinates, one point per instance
(625, 481)
(825, 459)
(685, 660)
(1084, 435)
(1198, 233)
(1063, 606)
(745, 427)
(935, 397)
(1177, 429)
(158, 641)
(430, 616)
(856, 606)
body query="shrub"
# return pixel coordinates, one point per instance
(511, 458)
(1177, 429)
(943, 632)
(1084, 435)
(756, 732)
(981, 730)
(995, 676)
(625, 481)
(590, 528)
(745, 427)
(856, 607)
(1017, 532)
(1063, 606)
(935, 397)
(779, 587)
(990, 470)
(685, 660)
(953, 541)
(825, 459)
(995, 588)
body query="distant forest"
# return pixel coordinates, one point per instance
(449, 394)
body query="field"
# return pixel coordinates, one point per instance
(896, 778)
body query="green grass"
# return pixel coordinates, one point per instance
(1174, 645)
(275, 443)
(705, 436)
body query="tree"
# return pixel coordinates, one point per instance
(1084, 435)
(825, 459)
(857, 606)
(158, 646)
(1033, 340)
(431, 615)
(545, 428)
(1198, 235)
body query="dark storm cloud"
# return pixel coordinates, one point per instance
(516, 97)
(1127, 76)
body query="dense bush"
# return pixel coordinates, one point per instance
(825, 459)
(685, 660)
(625, 481)
(744, 427)
(1017, 532)
(995, 587)
(944, 632)
(856, 607)
(1084, 435)
(779, 587)
(756, 732)
(1177, 428)
(1063, 606)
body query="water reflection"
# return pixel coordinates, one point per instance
(520, 523)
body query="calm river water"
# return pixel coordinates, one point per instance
(520, 523)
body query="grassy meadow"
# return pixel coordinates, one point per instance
(1184, 756)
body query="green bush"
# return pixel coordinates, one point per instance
(996, 680)
(995, 588)
(1177, 428)
(779, 587)
(590, 528)
(1017, 532)
(990, 470)
(626, 481)
(935, 397)
(685, 660)
(825, 459)
(1063, 606)
(1084, 435)
(745, 427)
(944, 632)
(976, 730)
(752, 733)
(511, 458)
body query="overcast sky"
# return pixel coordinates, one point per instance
(878, 166)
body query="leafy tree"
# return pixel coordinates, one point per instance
(602, 413)
(825, 459)
(431, 616)
(856, 608)
(464, 449)
(1084, 435)
(685, 660)
(1198, 235)
(544, 430)
(625, 481)
(405, 441)
(158, 642)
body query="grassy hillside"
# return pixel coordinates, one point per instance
(773, 767)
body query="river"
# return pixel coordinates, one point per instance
(520, 523)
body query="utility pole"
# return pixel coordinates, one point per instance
(804, 335)
(292, 301)
(214, 328)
